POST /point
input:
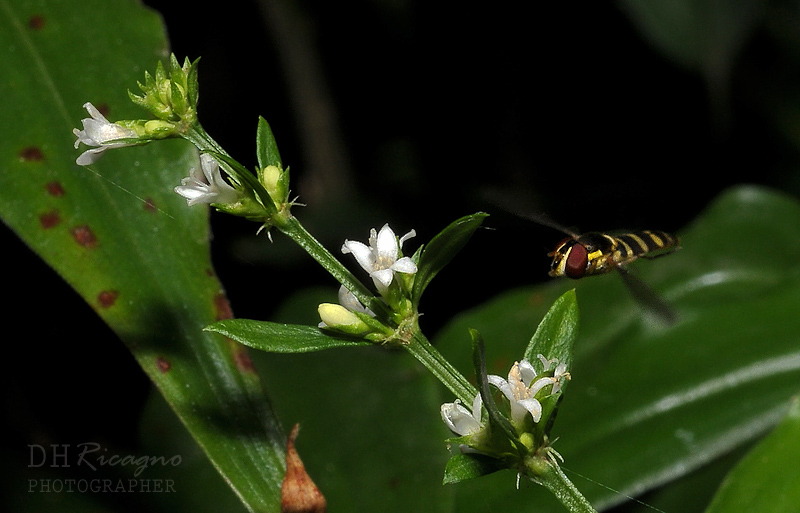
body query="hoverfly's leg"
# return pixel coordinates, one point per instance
(647, 296)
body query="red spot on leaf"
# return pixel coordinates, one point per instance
(150, 205)
(107, 298)
(299, 494)
(163, 364)
(210, 272)
(104, 109)
(36, 22)
(54, 189)
(222, 307)
(242, 358)
(50, 219)
(31, 154)
(84, 236)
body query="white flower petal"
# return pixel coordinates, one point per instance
(206, 185)
(540, 384)
(459, 419)
(532, 406)
(407, 236)
(502, 385)
(526, 371)
(348, 300)
(362, 253)
(382, 278)
(405, 265)
(89, 157)
(386, 247)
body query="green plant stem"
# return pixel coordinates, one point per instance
(290, 226)
(418, 346)
(554, 479)
(297, 232)
(432, 359)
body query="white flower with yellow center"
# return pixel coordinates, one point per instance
(381, 259)
(520, 389)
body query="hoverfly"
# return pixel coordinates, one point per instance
(595, 253)
(599, 253)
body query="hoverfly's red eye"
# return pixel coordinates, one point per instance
(577, 260)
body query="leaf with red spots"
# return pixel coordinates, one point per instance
(118, 234)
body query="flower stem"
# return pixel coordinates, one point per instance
(290, 226)
(432, 359)
(297, 232)
(554, 479)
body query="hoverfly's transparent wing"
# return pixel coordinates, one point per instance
(516, 206)
(647, 297)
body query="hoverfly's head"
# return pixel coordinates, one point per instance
(570, 259)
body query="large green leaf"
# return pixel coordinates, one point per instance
(767, 478)
(647, 402)
(117, 233)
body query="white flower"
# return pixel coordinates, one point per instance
(348, 300)
(460, 420)
(521, 390)
(559, 373)
(380, 258)
(100, 133)
(207, 185)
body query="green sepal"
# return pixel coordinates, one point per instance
(462, 467)
(441, 249)
(266, 147)
(275, 337)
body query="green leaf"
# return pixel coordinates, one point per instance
(649, 403)
(274, 337)
(556, 333)
(766, 480)
(266, 147)
(462, 467)
(441, 249)
(118, 234)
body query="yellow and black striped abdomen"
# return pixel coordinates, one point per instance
(644, 243)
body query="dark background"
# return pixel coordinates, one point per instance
(413, 112)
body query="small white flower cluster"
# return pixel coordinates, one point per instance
(521, 389)
(382, 260)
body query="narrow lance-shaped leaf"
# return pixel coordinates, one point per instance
(496, 419)
(556, 334)
(280, 338)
